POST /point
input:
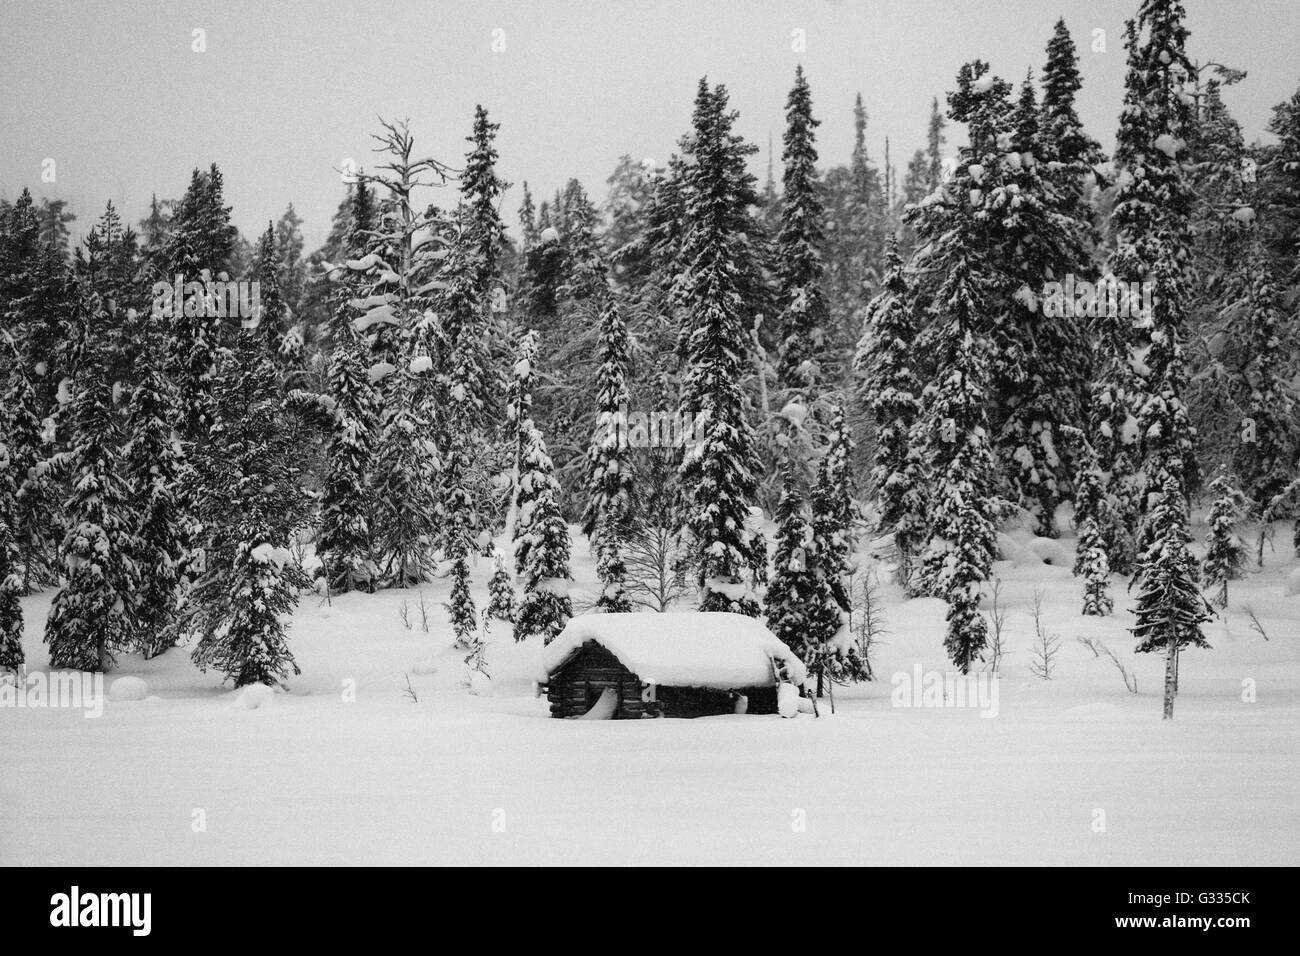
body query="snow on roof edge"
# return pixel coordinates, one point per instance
(713, 649)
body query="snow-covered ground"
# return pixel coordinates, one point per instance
(1075, 770)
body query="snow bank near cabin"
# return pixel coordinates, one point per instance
(128, 688)
(715, 649)
(1292, 586)
(254, 697)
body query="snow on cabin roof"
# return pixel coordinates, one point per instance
(713, 649)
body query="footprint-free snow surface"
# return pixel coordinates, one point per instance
(378, 753)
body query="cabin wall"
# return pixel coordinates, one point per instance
(575, 687)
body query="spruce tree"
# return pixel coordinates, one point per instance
(460, 603)
(11, 612)
(1225, 555)
(1268, 430)
(397, 283)
(253, 504)
(155, 468)
(1170, 609)
(714, 294)
(1092, 503)
(832, 529)
(272, 313)
(963, 231)
(290, 268)
(585, 275)
(155, 233)
(889, 389)
(792, 598)
(1068, 153)
(346, 538)
(502, 603)
(1091, 564)
(93, 614)
(201, 248)
(805, 315)
(934, 147)
(541, 545)
(1151, 219)
(462, 529)
(609, 466)
(472, 272)
(33, 518)
(1040, 369)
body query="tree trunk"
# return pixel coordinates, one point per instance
(1171, 678)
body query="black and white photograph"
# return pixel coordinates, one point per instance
(581, 433)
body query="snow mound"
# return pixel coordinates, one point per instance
(128, 688)
(255, 697)
(1292, 587)
(424, 667)
(787, 700)
(715, 649)
(1009, 549)
(1051, 551)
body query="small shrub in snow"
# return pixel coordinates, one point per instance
(1047, 644)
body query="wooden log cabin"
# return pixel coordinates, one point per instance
(630, 666)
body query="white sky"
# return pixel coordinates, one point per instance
(286, 89)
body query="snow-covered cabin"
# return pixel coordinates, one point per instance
(649, 664)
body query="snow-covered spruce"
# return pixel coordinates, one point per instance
(1152, 221)
(805, 314)
(345, 541)
(953, 433)
(1169, 605)
(794, 594)
(460, 603)
(719, 473)
(35, 527)
(251, 504)
(92, 615)
(1225, 555)
(1091, 564)
(200, 247)
(156, 470)
(11, 612)
(889, 389)
(395, 285)
(1039, 364)
(502, 602)
(609, 466)
(832, 528)
(541, 544)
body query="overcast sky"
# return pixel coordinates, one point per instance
(114, 93)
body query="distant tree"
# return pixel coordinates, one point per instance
(1225, 555)
(800, 268)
